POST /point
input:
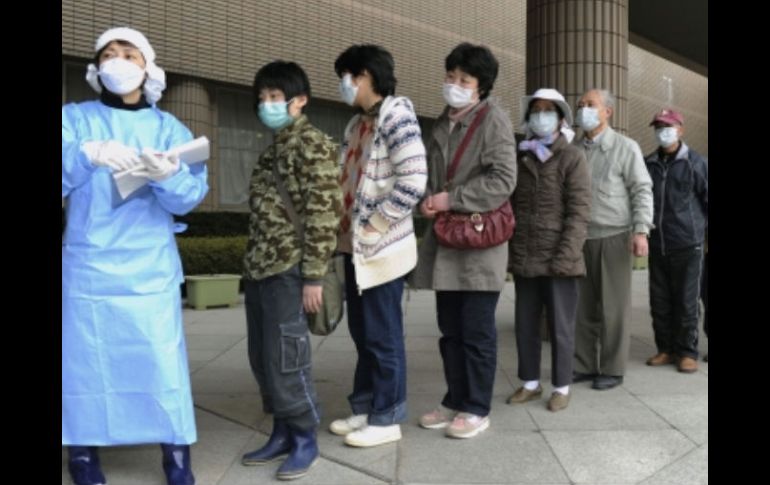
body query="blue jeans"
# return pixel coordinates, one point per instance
(377, 328)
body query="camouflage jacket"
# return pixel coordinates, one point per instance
(307, 164)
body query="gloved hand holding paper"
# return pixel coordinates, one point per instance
(158, 166)
(195, 151)
(112, 154)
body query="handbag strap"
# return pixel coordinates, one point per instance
(298, 228)
(464, 143)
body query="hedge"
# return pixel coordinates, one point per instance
(222, 224)
(212, 255)
(214, 224)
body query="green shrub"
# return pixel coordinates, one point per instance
(214, 224)
(212, 255)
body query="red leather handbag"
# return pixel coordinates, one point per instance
(477, 230)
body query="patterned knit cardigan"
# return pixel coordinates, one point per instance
(392, 184)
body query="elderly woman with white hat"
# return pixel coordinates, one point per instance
(552, 205)
(125, 378)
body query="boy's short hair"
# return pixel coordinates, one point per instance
(286, 76)
(477, 61)
(375, 60)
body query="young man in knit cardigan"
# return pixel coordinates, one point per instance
(383, 177)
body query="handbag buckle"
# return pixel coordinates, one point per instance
(477, 221)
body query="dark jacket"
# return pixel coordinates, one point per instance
(680, 193)
(552, 205)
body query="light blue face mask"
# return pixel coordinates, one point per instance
(543, 123)
(348, 90)
(587, 118)
(275, 115)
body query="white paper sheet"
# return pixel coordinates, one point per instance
(195, 151)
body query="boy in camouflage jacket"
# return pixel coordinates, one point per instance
(283, 271)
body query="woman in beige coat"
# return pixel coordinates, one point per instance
(467, 281)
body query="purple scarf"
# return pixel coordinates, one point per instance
(538, 146)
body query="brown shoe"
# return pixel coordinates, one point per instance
(523, 395)
(661, 358)
(558, 401)
(688, 364)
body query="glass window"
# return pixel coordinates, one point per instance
(241, 138)
(75, 89)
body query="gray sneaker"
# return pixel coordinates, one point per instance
(438, 418)
(467, 425)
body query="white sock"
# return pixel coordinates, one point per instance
(531, 385)
(562, 390)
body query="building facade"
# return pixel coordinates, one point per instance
(211, 50)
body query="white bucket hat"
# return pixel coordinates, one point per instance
(156, 78)
(555, 97)
(551, 95)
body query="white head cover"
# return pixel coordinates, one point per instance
(555, 97)
(156, 78)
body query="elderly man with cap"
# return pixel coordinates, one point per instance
(621, 218)
(680, 190)
(125, 378)
(552, 203)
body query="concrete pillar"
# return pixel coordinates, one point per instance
(576, 45)
(189, 100)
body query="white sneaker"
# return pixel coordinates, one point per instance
(352, 423)
(374, 435)
(467, 425)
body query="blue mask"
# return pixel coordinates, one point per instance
(543, 123)
(275, 115)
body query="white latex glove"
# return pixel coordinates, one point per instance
(112, 154)
(157, 166)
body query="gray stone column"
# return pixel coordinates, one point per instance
(576, 45)
(189, 100)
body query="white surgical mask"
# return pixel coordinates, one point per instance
(587, 118)
(456, 96)
(120, 76)
(666, 136)
(543, 123)
(348, 90)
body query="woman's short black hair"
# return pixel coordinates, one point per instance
(477, 61)
(286, 76)
(375, 60)
(532, 101)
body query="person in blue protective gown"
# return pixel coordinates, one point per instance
(125, 377)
